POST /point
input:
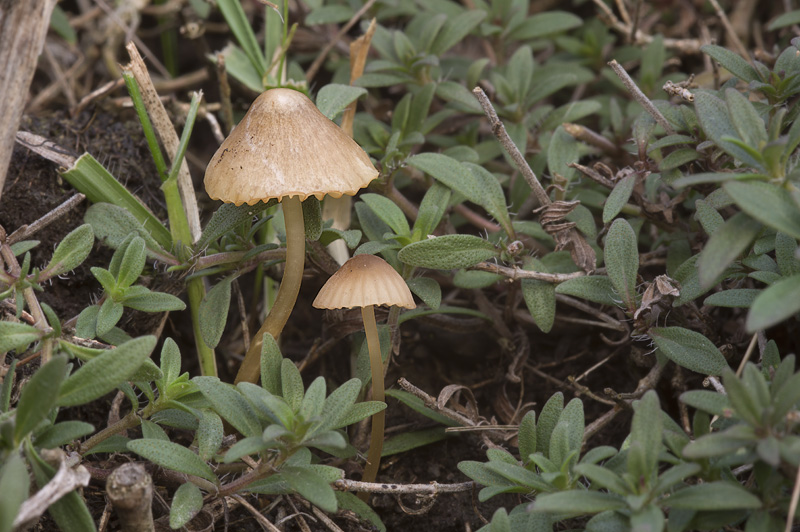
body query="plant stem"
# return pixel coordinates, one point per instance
(379, 419)
(640, 97)
(287, 293)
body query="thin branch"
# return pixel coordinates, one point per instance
(737, 42)
(519, 273)
(28, 230)
(500, 132)
(421, 489)
(640, 97)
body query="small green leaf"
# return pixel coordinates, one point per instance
(154, 302)
(603, 477)
(271, 360)
(712, 113)
(292, 389)
(622, 261)
(71, 251)
(455, 29)
(562, 150)
(527, 436)
(229, 404)
(108, 316)
(214, 311)
(540, 298)
(17, 336)
(714, 496)
(414, 439)
(14, 485)
(645, 438)
(618, 198)
(448, 252)
(348, 501)
(39, 396)
(62, 434)
(734, 298)
(310, 485)
(577, 502)
(427, 289)
(746, 120)
(172, 456)
(542, 24)
(595, 288)
(707, 401)
(689, 349)
(333, 99)
(548, 418)
(209, 435)
(132, 263)
(731, 61)
(724, 246)
(431, 209)
(240, 26)
(387, 211)
(105, 372)
(775, 304)
(767, 203)
(314, 399)
(186, 503)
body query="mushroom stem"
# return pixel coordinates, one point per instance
(378, 420)
(250, 369)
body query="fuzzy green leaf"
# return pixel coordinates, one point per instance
(186, 503)
(214, 311)
(333, 99)
(724, 246)
(39, 396)
(732, 62)
(577, 502)
(14, 484)
(229, 404)
(427, 289)
(776, 303)
(689, 349)
(17, 336)
(622, 261)
(71, 251)
(714, 496)
(448, 252)
(618, 198)
(172, 456)
(105, 372)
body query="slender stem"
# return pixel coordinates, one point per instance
(287, 293)
(640, 97)
(379, 419)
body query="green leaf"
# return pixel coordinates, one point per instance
(292, 389)
(271, 360)
(731, 61)
(314, 399)
(603, 477)
(577, 502)
(527, 436)
(786, 254)
(645, 438)
(431, 209)
(389, 212)
(39, 396)
(548, 418)
(310, 485)
(451, 91)
(734, 298)
(712, 113)
(540, 298)
(229, 404)
(618, 198)
(14, 484)
(490, 196)
(228, 217)
(213, 313)
(454, 30)
(417, 405)
(519, 475)
(209, 435)
(186, 503)
(427, 289)
(151, 431)
(786, 19)
(562, 150)
(329, 15)
(622, 261)
(132, 263)
(678, 158)
(240, 26)
(107, 317)
(542, 24)
(89, 177)
(689, 349)
(448, 252)
(746, 120)
(154, 302)
(172, 456)
(775, 304)
(360, 411)
(113, 225)
(414, 439)
(62, 434)
(724, 246)
(71, 251)
(707, 401)
(714, 496)
(595, 288)
(17, 336)
(105, 372)
(333, 99)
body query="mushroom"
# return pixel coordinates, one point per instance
(285, 148)
(365, 281)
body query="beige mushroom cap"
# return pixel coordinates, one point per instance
(284, 146)
(362, 281)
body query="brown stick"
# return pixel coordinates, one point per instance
(130, 490)
(23, 26)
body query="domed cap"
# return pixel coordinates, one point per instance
(284, 146)
(362, 281)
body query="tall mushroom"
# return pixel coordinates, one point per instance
(365, 281)
(285, 148)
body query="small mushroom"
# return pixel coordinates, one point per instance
(285, 148)
(365, 281)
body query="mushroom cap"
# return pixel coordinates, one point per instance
(284, 146)
(362, 281)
